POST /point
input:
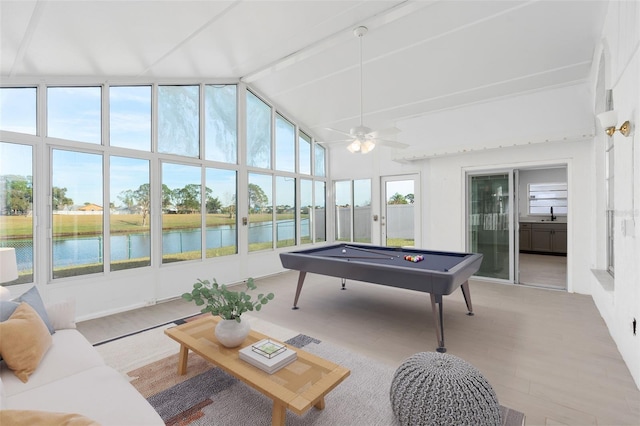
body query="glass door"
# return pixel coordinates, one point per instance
(399, 223)
(489, 223)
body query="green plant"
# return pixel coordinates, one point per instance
(226, 303)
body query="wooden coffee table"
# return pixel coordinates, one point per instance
(297, 387)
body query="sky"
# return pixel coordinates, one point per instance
(74, 113)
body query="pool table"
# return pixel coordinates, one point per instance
(437, 273)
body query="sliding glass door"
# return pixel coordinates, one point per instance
(489, 223)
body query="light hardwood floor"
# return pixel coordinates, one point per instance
(546, 353)
(543, 270)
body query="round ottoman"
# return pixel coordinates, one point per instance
(432, 388)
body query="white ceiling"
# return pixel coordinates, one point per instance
(419, 56)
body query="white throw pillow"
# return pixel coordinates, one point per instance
(62, 314)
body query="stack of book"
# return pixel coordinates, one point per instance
(268, 356)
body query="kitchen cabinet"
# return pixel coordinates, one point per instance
(525, 236)
(548, 238)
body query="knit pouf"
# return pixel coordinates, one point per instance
(432, 388)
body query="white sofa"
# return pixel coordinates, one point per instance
(73, 378)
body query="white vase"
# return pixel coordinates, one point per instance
(232, 333)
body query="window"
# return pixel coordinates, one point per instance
(74, 113)
(609, 188)
(130, 117)
(306, 211)
(102, 194)
(545, 198)
(343, 210)
(221, 123)
(362, 210)
(285, 145)
(77, 209)
(181, 216)
(353, 210)
(304, 154)
(179, 120)
(129, 213)
(319, 169)
(258, 132)
(260, 211)
(285, 211)
(220, 195)
(16, 206)
(18, 109)
(319, 211)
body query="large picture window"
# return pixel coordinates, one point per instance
(285, 211)
(179, 120)
(114, 204)
(221, 204)
(221, 123)
(258, 132)
(75, 113)
(285, 145)
(260, 211)
(77, 209)
(130, 208)
(130, 117)
(18, 109)
(16, 206)
(304, 154)
(181, 215)
(319, 211)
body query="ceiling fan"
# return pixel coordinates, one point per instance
(363, 139)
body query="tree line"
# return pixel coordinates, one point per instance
(19, 198)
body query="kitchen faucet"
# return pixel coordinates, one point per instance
(552, 216)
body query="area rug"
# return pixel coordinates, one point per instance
(208, 396)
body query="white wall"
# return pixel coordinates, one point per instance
(522, 125)
(619, 301)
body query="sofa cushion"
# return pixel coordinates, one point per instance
(25, 339)
(69, 354)
(32, 297)
(100, 393)
(43, 418)
(62, 314)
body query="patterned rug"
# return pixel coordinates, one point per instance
(208, 396)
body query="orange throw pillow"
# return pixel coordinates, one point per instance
(24, 339)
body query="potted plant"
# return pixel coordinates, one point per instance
(229, 305)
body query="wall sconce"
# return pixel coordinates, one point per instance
(608, 120)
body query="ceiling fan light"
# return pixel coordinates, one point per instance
(367, 146)
(354, 146)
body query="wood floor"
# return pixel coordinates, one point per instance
(546, 353)
(543, 270)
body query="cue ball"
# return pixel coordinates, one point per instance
(344, 250)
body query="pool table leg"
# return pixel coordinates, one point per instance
(436, 299)
(299, 288)
(467, 297)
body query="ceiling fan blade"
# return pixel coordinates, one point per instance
(338, 131)
(384, 132)
(336, 141)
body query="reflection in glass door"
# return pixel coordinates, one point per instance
(399, 220)
(489, 210)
